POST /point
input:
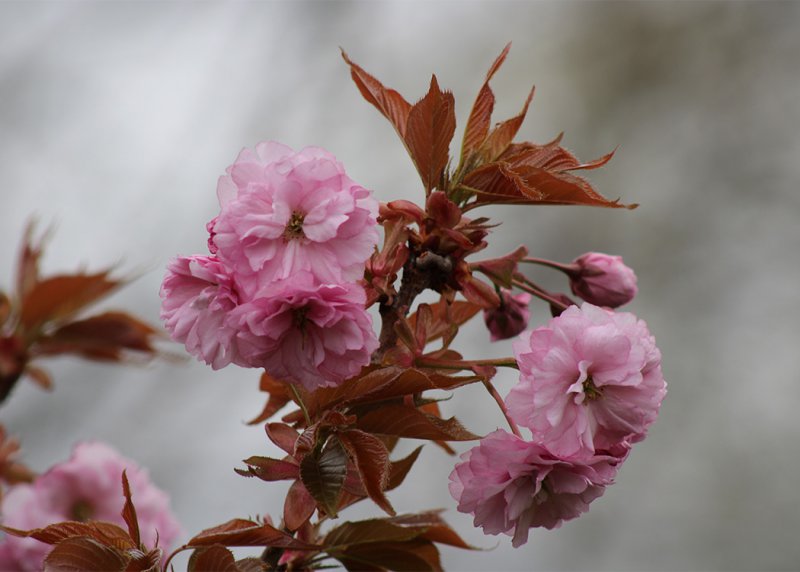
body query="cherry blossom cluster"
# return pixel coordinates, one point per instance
(590, 386)
(84, 488)
(279, 288)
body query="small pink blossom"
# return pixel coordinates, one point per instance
(87, 486)
(603, 280)
(313, 334)
(511, 485)
(196, 296)
(589, 380)
(510, 318)
(283, 212)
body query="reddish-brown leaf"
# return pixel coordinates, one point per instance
(382, 383)
(282, 435)
(40, 377)
(416, 555)
(279, 396)
(59, 297)
(550, 156)
(28, 261)
(480, 117)
(410, 422)
(268, 469)
(5, 308)
(298, 507)
(429, 130)
(498, 184)
(103, 532)
(240, 532)
(501, 270)
(431, 527)
(322, 472)
(501, 136)
(390, 103)
(252, 564)
(445, 316)
(371, 381)
(103, 337)
(371, 459)
(83, 554)
(145, 561)
(365, 532)
(423, 323)
(400, 468)
(479, 292)
(432, 408)
(129, 511)
(215, 558)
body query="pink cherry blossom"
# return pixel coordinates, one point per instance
(283, 212)
(589, 380)
(511, 485)
(313, 334)
(603, 280)
(197, 293)
(510, 318)
(87, 486)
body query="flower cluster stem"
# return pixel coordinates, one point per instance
(298, 398)
(531, 288)
(566, 268)
(502, 404)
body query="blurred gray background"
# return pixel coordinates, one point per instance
(117, 118)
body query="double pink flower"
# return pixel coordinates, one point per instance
(280, 292)
(88, 486)
(590, 386)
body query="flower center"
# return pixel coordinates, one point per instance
(81, 511)
(294, 228)
(300, 317)
(590, 390)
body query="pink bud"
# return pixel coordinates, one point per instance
(603, 280)
(510, 318)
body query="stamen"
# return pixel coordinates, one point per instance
(81, 511)
(294, 228)
(590, 390)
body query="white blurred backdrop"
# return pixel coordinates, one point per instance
(117, 118)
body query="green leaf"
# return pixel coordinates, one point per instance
(322, 472)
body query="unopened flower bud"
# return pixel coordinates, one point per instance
(603, 280)
(510, 318)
